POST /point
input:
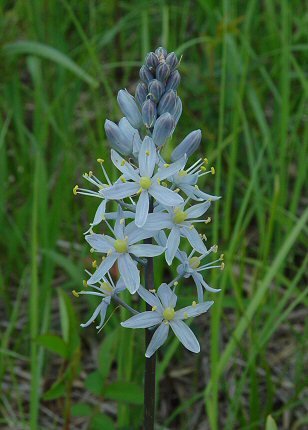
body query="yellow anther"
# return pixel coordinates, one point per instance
(75, 190)
(122, 179)
(123, 162)
(85, 284)
(215, 248)
(222, 257)
(175, 283)
(194, 304)
(213, 170)
(179, 217)
(166, 165)
(203, 168)
(145, 182)
(185, 315)
(94, 264)
(109, 252)
(222, 266)
(147, 152)
(205, 160)
(166, 322)
(75, 293)
(100, 160)
(209, 219)
(139, 191)
(176, 190)
(164, 184)
(194, 262)
(196, 186)
(92, 250)
(103, 258)
(153, 291)
(182, 173)
(204, 237)
(120, 245)
(85, 175)
(168, 314)
(103, 218)
(90, 173)
(100, 187)
(191, 227)
(122, 220)
(158, 181)
(154, 308)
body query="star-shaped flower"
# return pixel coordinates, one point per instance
(164, 315)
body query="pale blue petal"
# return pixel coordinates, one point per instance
(185, 335)
(193, 311)
(129, 272)
(166, 172)
(158, 339)
(100, 212)
(194, 239)
(158, 221)
(189, 179)
(121, 190)
(100, 242)
(128, 171)
(93, 317)
(119, 225)
(103, 268)
(205, 196)
(120, 286)
(147, 157)
(198, 278)
(150, 298)
(103, 313)
(145, 250)
(173, 243)
(206, 286)
(143, 320)
(167, 296)
(136, 234)
(142, 209)
(165, 196)
(196, 211)
(161, 238)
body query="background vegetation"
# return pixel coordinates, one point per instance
(244, 84)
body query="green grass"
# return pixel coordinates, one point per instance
(244, 84)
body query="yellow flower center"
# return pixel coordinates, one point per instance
(182, 173)
(168, 314)
(145, 182)
(120, 245)
(105, 286)
(179, 217)
(194, 262)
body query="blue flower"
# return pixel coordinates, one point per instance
(164, 315)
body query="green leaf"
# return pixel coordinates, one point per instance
(56, 390)
(105, 354)
(125, 392)
(81, 410)
(95, 383)
(70, 330)
(101, 421)
(54, 344)
(270, 423)
(50, 53)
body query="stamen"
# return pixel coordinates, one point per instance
(222, 266)
(213, 170)
(85, 284)
(74, 292)
(122, 220)
(194, 304)
(100, 160)
(122, 179)
(94, 264)
(208, 220)
(75, 190)
(147, 152)
(154, 308)
(92, 250)
(185, 315)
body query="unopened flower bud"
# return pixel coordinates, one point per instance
(141, 93)
(131, 134)
(156, 89)
(162, 72)
(172, 61)
(129, 107)
(161, 53)
(167, 103)
(178, 110)
(145, 75)
(151, 61)
(173, 81)
(117, 138)
(149, 113)
(163, 129)
(188, 146)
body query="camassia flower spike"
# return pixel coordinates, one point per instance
(160, 203)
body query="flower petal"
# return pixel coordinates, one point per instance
(94, 315)
(100, 212)
(165, 196)
(185, 335)
(128, 171)
(136, 234)
(172, 169)
(103, 268)
(103, 313)
(121, 190)
(100, 242)
(158, 339)
(194, 239)
(143, 320)
(167, 296)
(193, 311)
(129, 272)
(142, 209)
(144, 250)
(158, 221)
(196, 211)
(147, 157)
(173, 243)
(150, 298)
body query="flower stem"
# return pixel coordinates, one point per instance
(150, 363)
